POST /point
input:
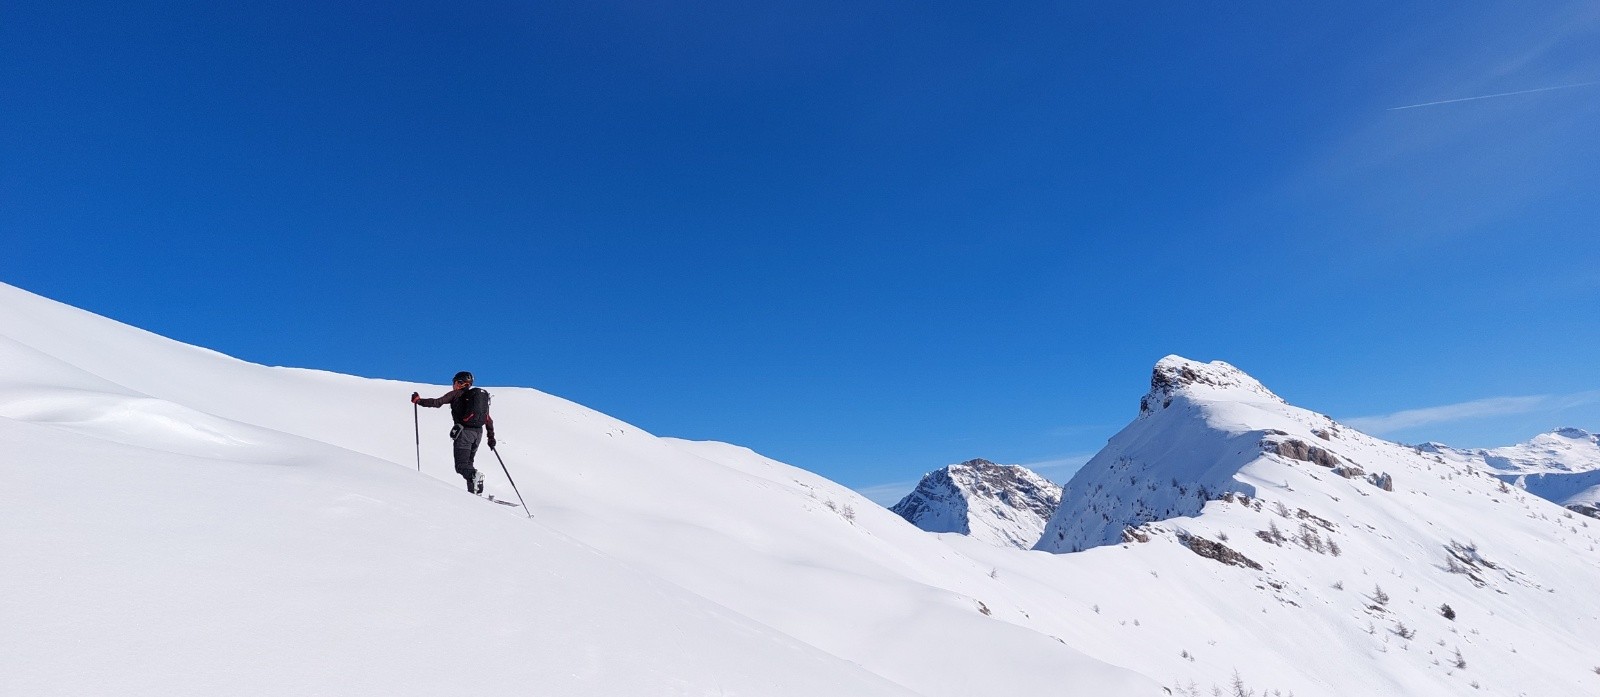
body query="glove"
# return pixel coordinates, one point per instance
(491, 442)
(415, 397)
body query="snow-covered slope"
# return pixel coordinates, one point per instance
(178, 522)
(1198, 426)
(999, 504)
(1561, 450)
(1368, 566)
(1562, 466)
(304, 569)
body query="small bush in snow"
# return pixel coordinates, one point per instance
(1308, 538)
(1239, 690)
(1448, 612)
(1378, 596)
(846, 511)
(1460, 662)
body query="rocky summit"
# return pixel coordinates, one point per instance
(1005, 505)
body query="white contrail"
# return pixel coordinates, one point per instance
(1492, 96)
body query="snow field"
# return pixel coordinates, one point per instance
(185, 523)
(287, 543)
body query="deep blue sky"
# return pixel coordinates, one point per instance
(868, 239)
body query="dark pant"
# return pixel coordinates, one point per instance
(466, 448)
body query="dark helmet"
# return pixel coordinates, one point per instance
(465, 377)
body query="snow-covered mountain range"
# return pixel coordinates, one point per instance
(999, 504)
(1331, 522)
(1562, 466)
(178, 522)
(1561, 450)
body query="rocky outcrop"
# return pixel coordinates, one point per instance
(1175, 373)
(1302, 451)
(1382, 480)
(1217, 551)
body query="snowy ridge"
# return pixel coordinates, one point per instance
(1561, 450)
(1198, 427)
(1000, 504)
(1175, 375)
(239, 529)
(1562, 466)
(1325, 523)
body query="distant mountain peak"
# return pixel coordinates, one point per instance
(1561, 450)
(1176, 374)
(1005, 505)
(1205, 431)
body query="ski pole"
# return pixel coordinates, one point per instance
(509, 479)
(417, 425)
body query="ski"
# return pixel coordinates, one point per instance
(503, 503)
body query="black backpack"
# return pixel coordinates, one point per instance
(471, 408)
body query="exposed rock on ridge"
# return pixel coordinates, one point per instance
(1211, 549)
(1005, 505)
(1201, 431)
(1176, 373)
(1302, 451)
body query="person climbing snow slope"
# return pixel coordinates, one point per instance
(469, 408)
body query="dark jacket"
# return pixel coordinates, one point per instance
(458, 408)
